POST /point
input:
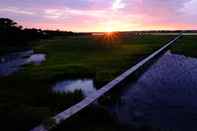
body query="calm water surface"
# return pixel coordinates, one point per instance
(165, 96)
(36, 59)
(13, 62)
(86, 86)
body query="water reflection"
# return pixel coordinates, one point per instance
(86, 86)
(15, 56)
(36, 58)
(13, 62)
(164, 96)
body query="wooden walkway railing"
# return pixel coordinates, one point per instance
(93, 97)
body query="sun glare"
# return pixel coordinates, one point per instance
(111, 35)
(109, 29)
(109, 32)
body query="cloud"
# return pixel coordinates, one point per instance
(70, 13)
(16, 11)
(97, 14)
(54, 13)
(118, 4)
(161, 12)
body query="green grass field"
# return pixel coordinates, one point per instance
(26, 97)
(187, 46)
(92, 57)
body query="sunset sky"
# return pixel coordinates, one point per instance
(102, 15)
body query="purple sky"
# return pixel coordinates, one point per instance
(102, 15)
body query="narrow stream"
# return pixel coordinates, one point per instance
(164, 97)
(13, 62)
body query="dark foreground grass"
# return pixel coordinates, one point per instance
(99, 118)
(187, 46)
(26, 97)
(4, 49)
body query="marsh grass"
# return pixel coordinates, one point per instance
(68, 58)
(187, 46)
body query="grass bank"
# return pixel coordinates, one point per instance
(187, 46)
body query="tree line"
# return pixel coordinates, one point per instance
(12, 34)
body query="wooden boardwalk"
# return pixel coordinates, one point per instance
(93, 97)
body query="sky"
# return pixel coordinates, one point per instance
(102, 15)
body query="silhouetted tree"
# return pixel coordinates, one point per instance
(14, 35)
(6, 24)
(9, 31)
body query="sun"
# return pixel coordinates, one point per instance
(109, 29)
(111, 35)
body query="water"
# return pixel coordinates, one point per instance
(165, 96)
(13, 62)
(86, 86)
(15, 55)
(36, 59)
